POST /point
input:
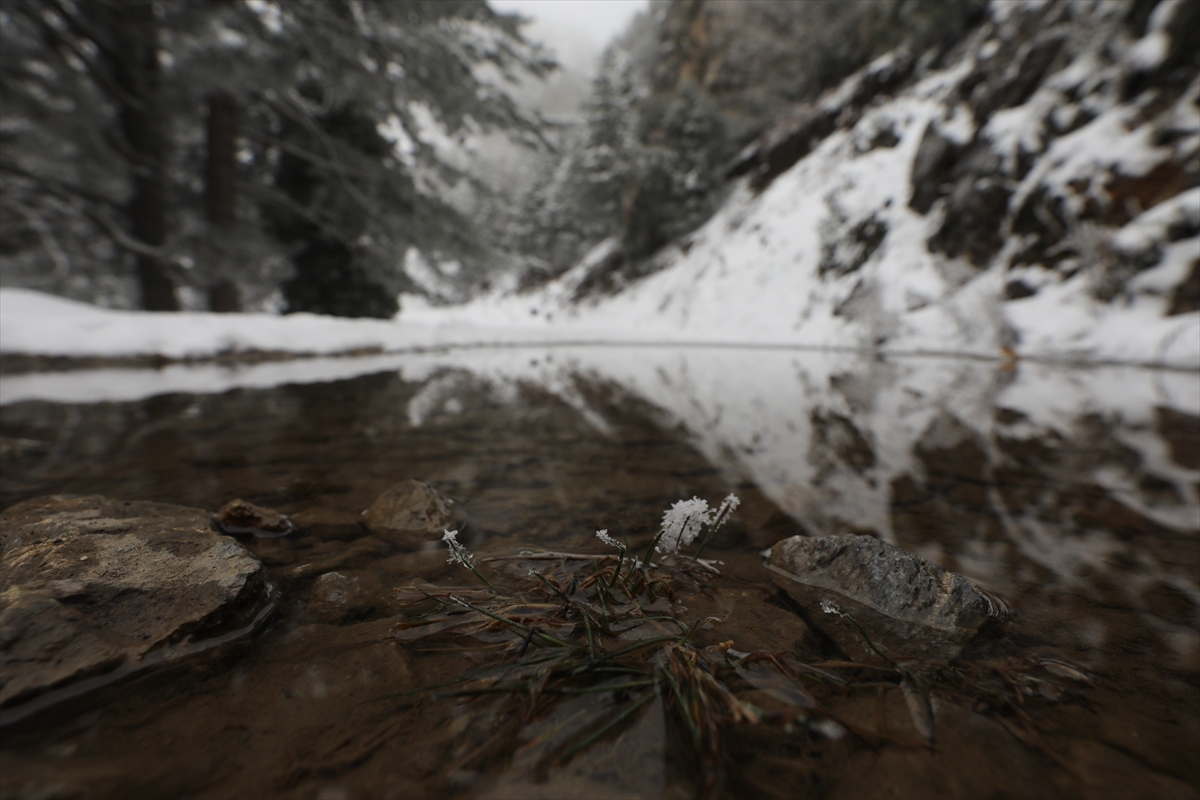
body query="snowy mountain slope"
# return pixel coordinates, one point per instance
(1040, 191)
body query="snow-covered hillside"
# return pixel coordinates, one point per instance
(1038, 191)
(1033, 193)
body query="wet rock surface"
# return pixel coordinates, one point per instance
(243, 518)
(410, 514)
(96, 588)
(909, 607)
(336, 597)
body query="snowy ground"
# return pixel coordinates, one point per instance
(39, 324)
(780, 268)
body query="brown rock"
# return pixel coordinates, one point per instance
(240, 517)
(96, 589)
(410, 514)
(909, 607)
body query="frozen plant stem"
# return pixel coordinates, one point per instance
(728, 506)
(603, 536)
(464, 556)
(649, 550)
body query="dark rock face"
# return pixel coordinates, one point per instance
(1186, 297)
(846, 247)
(910, 607)
(1005, 87)
(932, 164)
(410, 514)
(978, 200)
(1018, 290)
(98, 589)
(800, 132)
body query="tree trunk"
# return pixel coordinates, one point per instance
(220, 192)
(135, 62)
(221, 169)
(223, 297)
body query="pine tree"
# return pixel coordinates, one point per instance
(221, 145)
(645, 168)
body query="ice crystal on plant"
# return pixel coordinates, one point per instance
(682, 523)
(603, 536)
(458, 553)
(728, 506)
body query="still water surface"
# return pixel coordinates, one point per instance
(1074, 494)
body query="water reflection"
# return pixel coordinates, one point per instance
(1072, 493)
(1047, 485)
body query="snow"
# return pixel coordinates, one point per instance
(782, 268)
(1150, 51)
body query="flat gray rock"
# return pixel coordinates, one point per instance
(909, 607)
(95, 589)
(411, 514)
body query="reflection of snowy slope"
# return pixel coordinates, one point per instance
(1030, 476)
(832, 440)
(1032, 481)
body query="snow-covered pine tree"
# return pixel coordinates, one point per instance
(578, 201)
(645, 167)
(234, 142)
(688, 83)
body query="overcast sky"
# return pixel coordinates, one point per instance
(576, 30)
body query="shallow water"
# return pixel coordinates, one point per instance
(1072, 494)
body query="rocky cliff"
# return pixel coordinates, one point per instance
(1035, 190)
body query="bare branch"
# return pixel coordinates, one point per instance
(124, 239)
(77, 23)
(93, 207)
(339, 168)
(96, 70)
(283, 201)
(296, 150)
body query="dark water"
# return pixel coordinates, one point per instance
(1072, 494)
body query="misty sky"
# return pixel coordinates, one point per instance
(576, 30)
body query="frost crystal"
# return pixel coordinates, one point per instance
(681, 524)
(603, 536)
(728, 506)
(458, 553)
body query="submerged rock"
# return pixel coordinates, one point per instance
(909, 607)
(239, 517)
(327, 523)
(95, 589)
(346, 594)
(410, 514)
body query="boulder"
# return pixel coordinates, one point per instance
(410, 514)
(96, 589)
(909, 607)
(242, 518)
